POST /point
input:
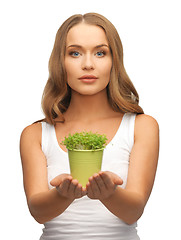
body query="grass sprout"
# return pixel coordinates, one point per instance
(85, 141)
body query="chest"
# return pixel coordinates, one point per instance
(109, 127)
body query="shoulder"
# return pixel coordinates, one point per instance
(145, 126)
(31, 133)
(146, 120)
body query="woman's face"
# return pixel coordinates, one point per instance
(88, 59)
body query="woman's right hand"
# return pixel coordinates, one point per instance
(68, 187)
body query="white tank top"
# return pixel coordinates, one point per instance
(86, 218)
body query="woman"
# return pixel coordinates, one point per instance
(89, 90)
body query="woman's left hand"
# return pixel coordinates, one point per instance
(102, 185)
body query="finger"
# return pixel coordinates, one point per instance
(72, 187)
(117, 180)
(64, 187)
(59, 179)
(100, 183)
(114, 177)
(89, 191)
(84, 192)
(56, 181)
(107, 180)
(78, 191)
(94, 185)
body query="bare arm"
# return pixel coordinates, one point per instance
(44, 204)
(128, 204)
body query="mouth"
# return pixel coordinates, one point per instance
(88, 78)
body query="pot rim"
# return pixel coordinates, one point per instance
(89, 150)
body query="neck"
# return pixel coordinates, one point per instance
(88, 108)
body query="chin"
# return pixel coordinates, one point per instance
(89, 91)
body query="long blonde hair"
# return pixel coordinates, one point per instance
(122, 94)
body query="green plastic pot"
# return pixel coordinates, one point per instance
(84, 163)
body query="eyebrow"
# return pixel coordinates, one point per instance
(79, 46)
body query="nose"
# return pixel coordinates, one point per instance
(87, 62)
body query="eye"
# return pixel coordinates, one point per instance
(74, 54)
(101, 53)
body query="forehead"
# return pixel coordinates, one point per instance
(85, 34)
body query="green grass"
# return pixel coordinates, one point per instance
(85, 141)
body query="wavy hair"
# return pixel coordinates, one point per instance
(122, 94)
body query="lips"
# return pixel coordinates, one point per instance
(88, 77)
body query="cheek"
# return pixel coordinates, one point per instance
(70, 69)
(107, 69)
(71, 72)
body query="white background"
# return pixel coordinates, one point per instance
(150, 32)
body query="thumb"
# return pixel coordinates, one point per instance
(118, 181)
(55, 182)
(114, 177)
